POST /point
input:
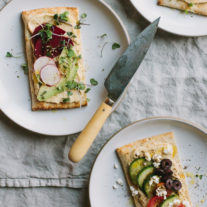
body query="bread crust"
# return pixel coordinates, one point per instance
(153, 144)
(197, 8)
(37, 105)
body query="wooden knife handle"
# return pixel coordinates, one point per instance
(82, 144)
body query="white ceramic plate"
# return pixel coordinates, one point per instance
(14, 90)
(173, 21)
(192, 146)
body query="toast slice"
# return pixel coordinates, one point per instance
(187, 5)
(37, 17)
(163, 147)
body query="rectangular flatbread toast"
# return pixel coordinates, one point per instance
(53, 51)
(142, 162)
(187, 5)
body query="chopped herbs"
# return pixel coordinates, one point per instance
(71, 35)
(46, 33)
(83, 16)
(115, 46)
(70, 93)
(43, 93)
(186, 11)
(199, 176)
(190, 4)
(87, 90)
(103, 35)
(61, 18)
(25, 68)
(10, 55)
(72, 85)
(93, 82)
(65, 100)
(81, 21)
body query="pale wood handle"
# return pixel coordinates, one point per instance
(82, 144)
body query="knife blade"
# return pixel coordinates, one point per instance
(115, 84)
(128, 63)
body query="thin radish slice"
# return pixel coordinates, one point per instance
(41, 62)
(50, 75)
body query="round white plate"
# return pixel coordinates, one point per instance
(192, 147)
(173, 21)
(14, 91)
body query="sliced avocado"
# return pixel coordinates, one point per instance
(143, 174)
(46, 92)
(68, 63)
(170, 199)
(136, 166)
(149, 189)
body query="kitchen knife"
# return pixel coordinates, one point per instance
(115, 84)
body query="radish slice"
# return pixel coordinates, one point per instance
(41, 62)
(50, 75)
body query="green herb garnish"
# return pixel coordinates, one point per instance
(190, 4)
(9, 54)
(73, 85)
(65, 100)
(71, 35)
(102, 36)
(81, 21)
(46, 33)
(70, 93)
(103, 48)
(93, 82)
(88, 99)
(43, 93)
(81, 86)
(25, 68)
(87, 90)
(199, 176)
(71, 53)
(62, 18)
(115, 46)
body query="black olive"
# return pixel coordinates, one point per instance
(166, 164)
(159, 171)
(169, 184)
(177, 185)
(168, 172)
(165, 178)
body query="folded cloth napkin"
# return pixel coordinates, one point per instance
(171, 81)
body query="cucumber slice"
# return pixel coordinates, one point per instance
(143, 174)
(170, 199)
(136, 166)
(149, 189)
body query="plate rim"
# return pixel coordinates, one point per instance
(127, 37)
(167, 30)
(152, 118)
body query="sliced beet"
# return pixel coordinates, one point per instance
(53, 47)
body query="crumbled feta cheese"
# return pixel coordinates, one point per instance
(174, 203)
(168, 149)
(136, 154)
(147, 156)
(114, 186)
(120, 182)
(161, 191)
(154, 179)
(186, 204)
(115, 166)
(134, 191)
(156, 164)
(157, 158)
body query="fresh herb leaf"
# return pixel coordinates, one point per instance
(46, 33)
(25, 68)
(81, 86)
(81, 21)
(43, 93)
(115, 46)
(62, 18)
(190, 4)
(71, 85)
(70, 93)
(103, 35)
(93, 82)
(186, 11)
(87, 90)
(199, 176)
(71, 35)
(65, 100)
(83, 16)
(8, 54)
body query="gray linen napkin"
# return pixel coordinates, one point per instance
(171, 81)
